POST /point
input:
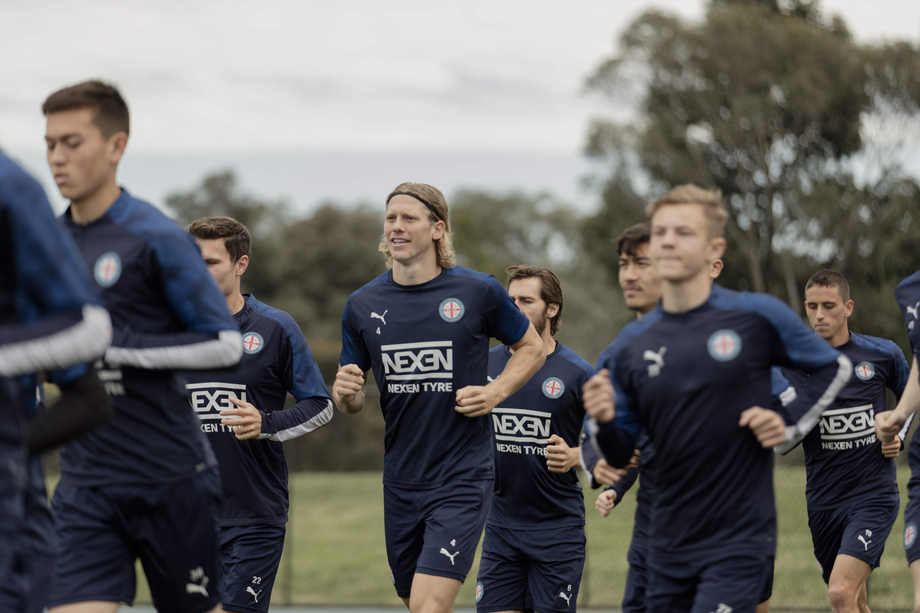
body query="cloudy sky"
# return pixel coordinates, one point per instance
(310, 100)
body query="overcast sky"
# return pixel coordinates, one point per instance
(311, 100)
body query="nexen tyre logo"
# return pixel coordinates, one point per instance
(209, 399)
(418, 361)
(521, 425)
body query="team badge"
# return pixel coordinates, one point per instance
(478, 591)
(910, 534)
(724, 345)
(865, 370)
(107, 269)
(553, 387)
(451, 310)
(252, 342)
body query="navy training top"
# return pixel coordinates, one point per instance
(425, 342)
(527, 494)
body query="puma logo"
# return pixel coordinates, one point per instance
(567, 598)
(380, 317)
(255, 595)
(447, 553)
(658, 361)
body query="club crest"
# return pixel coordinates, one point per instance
(107, 269)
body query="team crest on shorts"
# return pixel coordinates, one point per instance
(478, 591)
(724, 345)
(107, 269)
(553, 387)
(910, 534)
(451, 310)
(865, 370)
(252, 342)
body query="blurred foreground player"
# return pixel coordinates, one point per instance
(241, 413)
(49, 319)
(145, 484)
(888, 425)
(852, 485)
(533, 552)
(424, 328)
(698, 368)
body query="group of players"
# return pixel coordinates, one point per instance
(133, 318)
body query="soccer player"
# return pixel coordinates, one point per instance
(852, 485)
(49, 319)
(145, 484)
(533, 552)
(424, 328)
(241, 413)
(890, 424)
(695, 374)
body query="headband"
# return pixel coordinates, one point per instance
(420, 199)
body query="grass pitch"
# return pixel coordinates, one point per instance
(335, 552)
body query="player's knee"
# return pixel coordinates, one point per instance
(841, 595)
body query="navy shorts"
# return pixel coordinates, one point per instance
(729, 584)
(434, 532)
(249, 559)
(858, 528)
(530, 569)
(637, 577)
(171, 527)
(911, 526)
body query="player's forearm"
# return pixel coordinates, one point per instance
(527, 359)
(54, 343)
(184, 350)
(910, 399)
(307, 415)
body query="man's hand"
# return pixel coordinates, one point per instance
(768, 426)
(605, 474)
(349, 382)
(560, 458)
(246, 421)
(597, 397)
(476, 400)
(887, 426)
(605, 502)
(892, 449)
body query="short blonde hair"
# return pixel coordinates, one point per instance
(436, 204)
(710, 200)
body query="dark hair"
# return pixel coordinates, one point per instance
(111, 109)
(633, 237)
(236, 237)
(550, 292)
(830, 278)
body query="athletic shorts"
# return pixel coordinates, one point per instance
(537, 569)
(171, 527)
(729, 584)
(249, 559)
(858, 528)
(434, 532)
(911, 526)
(637, 556)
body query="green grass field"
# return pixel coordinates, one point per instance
(335, 549)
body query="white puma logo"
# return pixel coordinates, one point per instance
(255, 595)
(655, 369)
(191, 588)
(566, 598)
(447, 553)
(380, 317)
(864, 541)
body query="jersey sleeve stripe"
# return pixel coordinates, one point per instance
(225, 350)
(82, 342)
